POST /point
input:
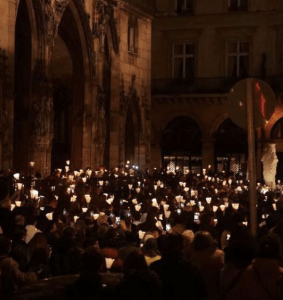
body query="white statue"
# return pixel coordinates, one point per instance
(269, 160)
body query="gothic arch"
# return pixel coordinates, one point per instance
(75, 33)
(26, 43)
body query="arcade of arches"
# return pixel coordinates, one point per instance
(75, 86)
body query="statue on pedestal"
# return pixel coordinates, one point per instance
(269, 160)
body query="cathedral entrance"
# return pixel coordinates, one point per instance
(67, 72)
(132, 132)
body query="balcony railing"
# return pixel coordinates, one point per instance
(214, 85)
(148, 5)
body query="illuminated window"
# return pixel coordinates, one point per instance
(237, 59)
(184, 6)
(133, 35)
(183, 60)
(237, 5)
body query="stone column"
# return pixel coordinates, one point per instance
(208, 153)
(40, 153)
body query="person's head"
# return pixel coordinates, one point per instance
(68, 233)
(173, 245)
(38, 241)
(205, 219)
(52, 202)
(102, 230)
(5, 245)
(142, 284)
(20, 233)
(31, 219)
(188, 237)
(150, 247)
(270, 247)
(92, 260)
(241, 252)
(203, 240)
(19, 220)
(135, 261)
(240, 232)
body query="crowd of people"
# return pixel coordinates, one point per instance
(165, 233)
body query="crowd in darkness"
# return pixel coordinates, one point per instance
(165, 235)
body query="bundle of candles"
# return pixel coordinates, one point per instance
(96, 193)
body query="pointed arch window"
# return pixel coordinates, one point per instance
(133, 35)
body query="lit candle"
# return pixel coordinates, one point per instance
(17, 176)
(87, 198)
(208, 200)
(235, 206)
(49, 216)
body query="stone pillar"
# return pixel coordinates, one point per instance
(40, 154)
(208, 153)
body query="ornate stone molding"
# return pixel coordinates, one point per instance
(103, 20)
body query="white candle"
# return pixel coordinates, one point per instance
(208, 200)
(167, 214)
(87, 198)
(109, 262)
(17, 176)
(49, 216)
(141, 234)
(235, 206)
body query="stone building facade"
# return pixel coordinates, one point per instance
(200, 50)
(75, 83)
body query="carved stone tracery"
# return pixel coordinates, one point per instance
(103, 20)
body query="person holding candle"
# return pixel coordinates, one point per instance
(11, 276)
(179, 277)
(210, 259)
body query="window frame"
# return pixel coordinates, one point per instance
(239, 9)
(133, 25)
(184, 11)
(238, 54)
(184, 56)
